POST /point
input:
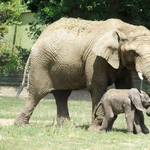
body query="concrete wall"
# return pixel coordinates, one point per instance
(17, 34)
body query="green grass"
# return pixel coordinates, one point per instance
(74, 136)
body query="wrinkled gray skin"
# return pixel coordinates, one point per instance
(130, 102)
(72, 54)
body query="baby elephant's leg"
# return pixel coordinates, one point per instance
(139, 124)
(130, 120)
(108, 117)
(109, 128)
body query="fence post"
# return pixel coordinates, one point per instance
(141, 85)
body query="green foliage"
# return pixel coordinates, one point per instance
(35, 30)
(135, 12)
(23, 54)
(5, 55)
(12, 61)
(49, 11)
(9, 13)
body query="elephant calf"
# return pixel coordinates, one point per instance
(131, 102)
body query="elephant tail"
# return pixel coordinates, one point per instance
(99, 113)
(24, 78)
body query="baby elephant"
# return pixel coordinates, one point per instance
(130, 102)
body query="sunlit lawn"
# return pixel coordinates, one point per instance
(43, 133)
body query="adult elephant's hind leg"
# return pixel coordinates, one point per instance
(23, 118)
(61, 97)
(36, 93)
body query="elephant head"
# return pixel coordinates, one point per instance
(136, 99)
(128, 48)
(140, 100)
(146, 102)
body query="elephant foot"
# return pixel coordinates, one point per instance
(62, 121)
(21, 121)
(145, 130)
(94, 127)
(96, 123)
(102, 131)
(130, 132)
(140, 133)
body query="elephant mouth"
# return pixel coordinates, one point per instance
(148, 111)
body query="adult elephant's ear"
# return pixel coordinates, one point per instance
(135, 97)
(107, 47)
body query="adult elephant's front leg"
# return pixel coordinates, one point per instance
(96, 96)
(124, 79)
(62, 106)
(97, 78)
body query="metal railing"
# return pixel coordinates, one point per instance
(13, 80)
(16, 79)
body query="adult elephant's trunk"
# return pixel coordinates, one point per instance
(146, 73)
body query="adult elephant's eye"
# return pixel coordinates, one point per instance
(132, 53)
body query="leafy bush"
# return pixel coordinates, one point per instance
(13, 61)
(135, 12)
(35, 30)
(50, 11)
(5, 55)
(9, 13)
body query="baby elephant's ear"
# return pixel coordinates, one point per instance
(134, 95)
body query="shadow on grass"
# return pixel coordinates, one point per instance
(120, 130)
(114, 129)
(83, 127)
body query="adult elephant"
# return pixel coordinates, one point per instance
(74, 54)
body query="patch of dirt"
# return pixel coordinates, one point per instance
(6, 122)
(76, 25)
(12, 91)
